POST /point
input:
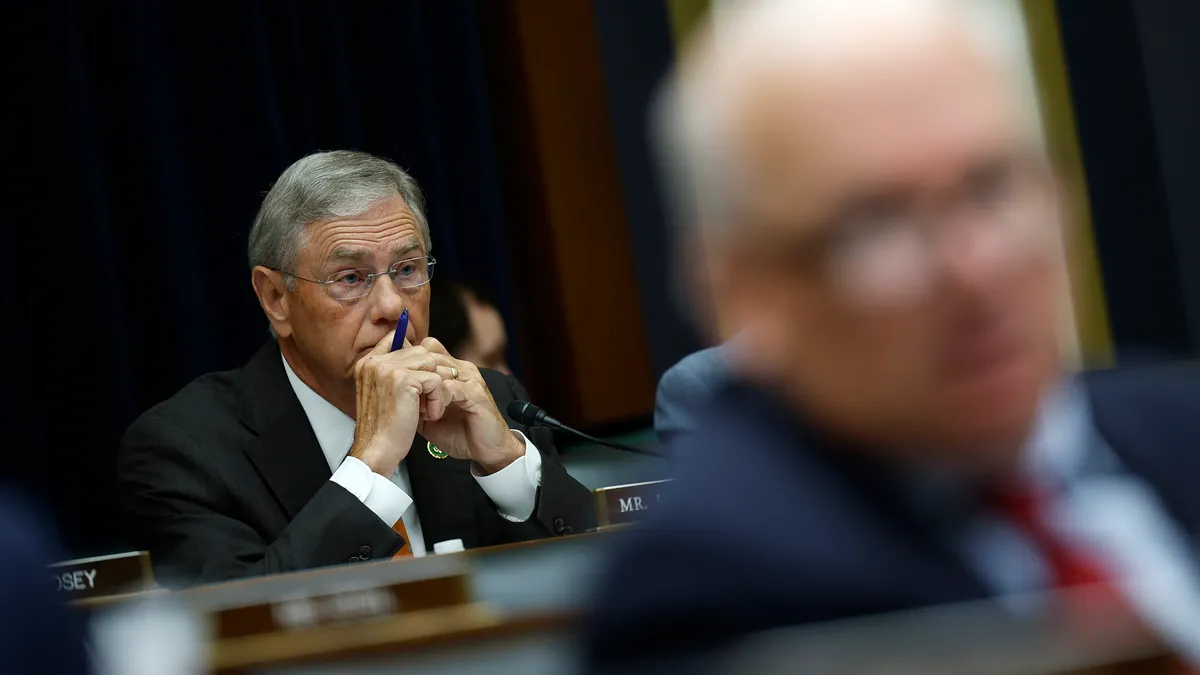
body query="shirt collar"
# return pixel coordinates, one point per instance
(1061, 447)
(333, 428)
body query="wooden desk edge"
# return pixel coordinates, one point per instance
(398, 634)
(105, 601)
(332, 572)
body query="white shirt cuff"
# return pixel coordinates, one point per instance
(382, 496)
(513, 489)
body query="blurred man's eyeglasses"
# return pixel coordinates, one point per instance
(356, 283)
(892, 256)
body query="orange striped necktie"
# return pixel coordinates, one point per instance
(406, 550)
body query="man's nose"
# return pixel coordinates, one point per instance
(386, 301)
(975, 257)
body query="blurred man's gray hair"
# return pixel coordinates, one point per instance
(324, 186)
(695, 109)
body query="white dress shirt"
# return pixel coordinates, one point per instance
(512, 489)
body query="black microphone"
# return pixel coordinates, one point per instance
(524, 412)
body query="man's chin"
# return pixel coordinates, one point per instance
(1001, 408)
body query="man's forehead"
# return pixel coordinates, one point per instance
(388, 228)
(802, 131)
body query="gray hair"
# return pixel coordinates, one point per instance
(322, 186)
(691, 115)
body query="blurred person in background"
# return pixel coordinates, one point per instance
(897, 429)
(38, 632)
(328, 447)
(464, 320)
(685, 390)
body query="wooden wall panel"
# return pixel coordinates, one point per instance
(581, 330)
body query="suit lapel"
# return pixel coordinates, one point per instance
(443, 492)
(285, 452)
(1150, 421)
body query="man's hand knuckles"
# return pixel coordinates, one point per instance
(398, 377)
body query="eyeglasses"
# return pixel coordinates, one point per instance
(356, 283)
(891, 257)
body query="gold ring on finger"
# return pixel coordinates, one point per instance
(453, 373)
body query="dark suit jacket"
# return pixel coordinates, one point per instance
(769, 524)
(37, 632)
(226, 479)
(685, 390)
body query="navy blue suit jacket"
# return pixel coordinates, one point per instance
(37, 633)
(685, 390)
(768, 524)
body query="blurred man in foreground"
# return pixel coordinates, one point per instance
(898, 432)
(329, 445)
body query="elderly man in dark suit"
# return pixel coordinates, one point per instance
(328, 446)
(897, 430)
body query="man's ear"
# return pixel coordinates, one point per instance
(273, 295)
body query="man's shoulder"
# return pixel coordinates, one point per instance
(705, 370)
(1151, 417)
(684, 389)
(208, 402)
(744, 435)
(1153, 392)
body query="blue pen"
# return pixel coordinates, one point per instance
(401, 329)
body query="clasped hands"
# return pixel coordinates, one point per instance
(423, 389)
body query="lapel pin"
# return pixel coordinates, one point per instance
(433, 450)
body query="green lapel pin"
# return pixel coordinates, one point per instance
(433, 450)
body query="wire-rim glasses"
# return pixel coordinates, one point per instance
(356, 283)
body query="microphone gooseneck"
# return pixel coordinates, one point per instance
(528, 414)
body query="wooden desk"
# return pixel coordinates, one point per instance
(523, 602)
(527, 593)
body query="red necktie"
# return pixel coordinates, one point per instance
(1071, 567)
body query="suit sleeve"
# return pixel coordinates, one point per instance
(679, 392)
(179, 509)
(564, 506)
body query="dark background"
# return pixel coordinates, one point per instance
(176, 117)
(1134, 69)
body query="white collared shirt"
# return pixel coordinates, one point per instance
(512, 489)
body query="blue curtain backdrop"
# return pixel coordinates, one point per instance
(182, 115)
(1132, 68)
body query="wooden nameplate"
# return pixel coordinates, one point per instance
(103, 575)
(623, 504)
(357, 618)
